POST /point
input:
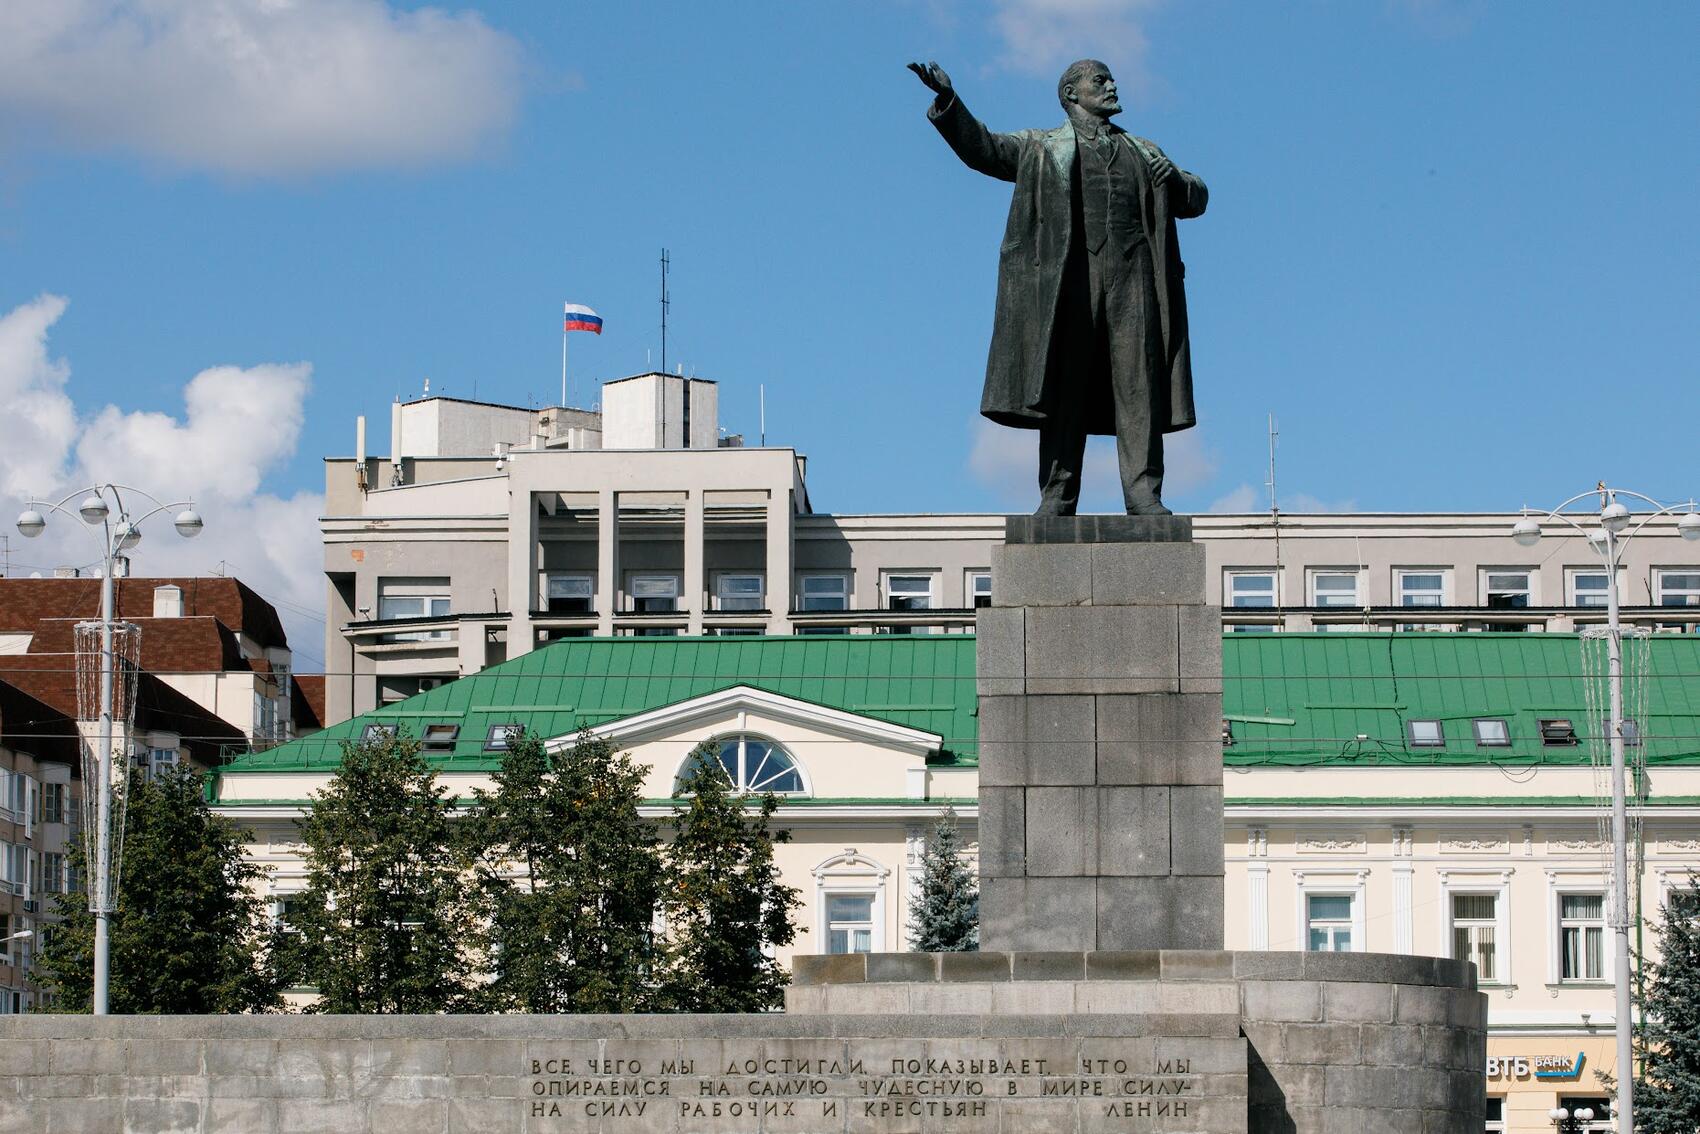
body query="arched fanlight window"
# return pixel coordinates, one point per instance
(754, 764)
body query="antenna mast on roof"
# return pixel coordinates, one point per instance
(1275, 518)
(665, 262)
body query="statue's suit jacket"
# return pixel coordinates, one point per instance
(1020, 370)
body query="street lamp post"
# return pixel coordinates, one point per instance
(117, 530)
(1570, 1121)
(1617, 525)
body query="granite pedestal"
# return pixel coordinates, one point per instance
(1100, 681)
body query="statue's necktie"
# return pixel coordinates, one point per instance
(1106, 148)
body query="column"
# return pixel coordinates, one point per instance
(778, 579)
(607, 560)
(1257, 905)
(691, 587)
(522, 567)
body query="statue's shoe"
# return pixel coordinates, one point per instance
(1155, 508)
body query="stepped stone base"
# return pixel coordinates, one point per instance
(1328, 1042)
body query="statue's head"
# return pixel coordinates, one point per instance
(1089, 85)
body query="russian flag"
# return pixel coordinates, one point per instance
(581, 318)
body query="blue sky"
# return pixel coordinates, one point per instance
(1451, 246)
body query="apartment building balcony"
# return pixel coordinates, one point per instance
(881, 620)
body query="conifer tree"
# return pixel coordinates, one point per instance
(568, 876)
(947, 918)
(725, 905)
(384, 923)
(189, 934)
(1667, 1084)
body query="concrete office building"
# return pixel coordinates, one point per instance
(491, 529)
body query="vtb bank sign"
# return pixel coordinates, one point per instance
(1541, 1066)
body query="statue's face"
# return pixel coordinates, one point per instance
(1096, 93)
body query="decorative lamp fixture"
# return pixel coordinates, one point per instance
(93, 509)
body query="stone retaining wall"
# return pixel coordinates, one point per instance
(617, 1074)
(1337, 1043)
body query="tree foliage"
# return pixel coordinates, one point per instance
(567, 875)
(189, 933)
(1667, 1084)
(947, 918)
(726, 908)
(384, 924)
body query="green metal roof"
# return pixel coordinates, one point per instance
(921, 681)
(1294, 699)
(1304, 698)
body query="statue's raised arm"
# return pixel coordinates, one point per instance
(936, 80)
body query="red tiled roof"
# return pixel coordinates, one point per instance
(25, 602)
(169, 645)
(51, 679)
(307, 706)
(30, 725)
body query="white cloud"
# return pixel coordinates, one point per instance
(39, 419)
(1245, 498)
(1007, 461)
(1041, 37)
(238, 426)
(258, 87)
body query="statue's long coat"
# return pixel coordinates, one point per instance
(1022, 368)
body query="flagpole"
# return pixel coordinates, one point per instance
(563, 367)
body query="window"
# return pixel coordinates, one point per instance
(1686, 902)
(569, 594)
(1581, 936)
(1600, 1105)
(284, 912)
(160, 760)
(1491, 733)
(375, 733)
(908, 592)
(824, 592)
(15, 794)
(849, 923)
(414, 598)
(1588, 587)
(740, 592)
(1679, 588)
(1422, 588)
(1475, 921)
(1251, 589)
(501, 736)
(54, 879)
(53, 803)
(1631, 731)
(823, 629)
(1334, 588)
(15, 868)
(439, 737)
(757, 765)
(655, 594)
(6, 942)
(1328, 923)
(1495, 1114)
(1557, 732)
(1506, 590)
(979, 589)
(1426, 734)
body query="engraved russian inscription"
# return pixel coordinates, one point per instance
(1133, 1084)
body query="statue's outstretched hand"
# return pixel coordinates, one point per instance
(933, 75)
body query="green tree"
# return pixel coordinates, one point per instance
(725, 905)
(1667, 1083)
(568, 876)
(384, 923)
(189, 934)
(947, 918)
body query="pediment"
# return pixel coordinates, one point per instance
(689, 718)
